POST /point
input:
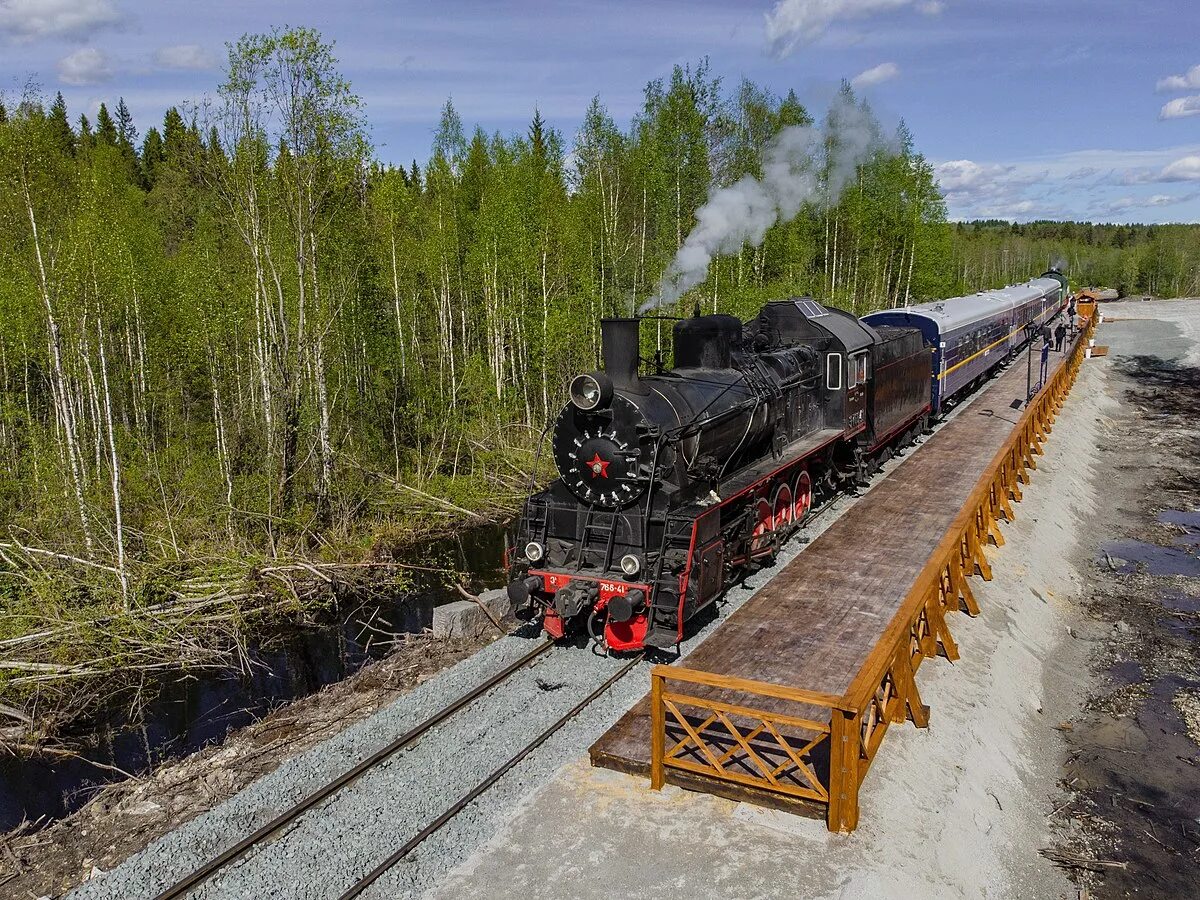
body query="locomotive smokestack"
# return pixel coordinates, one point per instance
(619, 347)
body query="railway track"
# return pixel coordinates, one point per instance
(276, 828)
(371, 877)
(246, 844)
(278, 825)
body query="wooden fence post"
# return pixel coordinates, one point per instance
(658, 729)
(843, 771)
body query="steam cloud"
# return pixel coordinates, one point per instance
(746, 210)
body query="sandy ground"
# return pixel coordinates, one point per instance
(1184, 314)
(962, 809)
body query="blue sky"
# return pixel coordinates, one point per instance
(1086, 109)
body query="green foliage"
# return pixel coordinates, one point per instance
(1162, 260)
(246, 338)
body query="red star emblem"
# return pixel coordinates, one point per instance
(598, 466)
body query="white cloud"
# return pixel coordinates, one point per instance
(1128, 204)
(31, 19)
(994, 191)
(1017, 209)
(1186, 169)
(1185, 82)
(184, 56)
(85, 66)
(875, 75)
(966, 179)
(931, 7)
(793, 22)
(1181, 108)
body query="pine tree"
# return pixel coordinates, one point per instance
(414, 177)
(792, 111)
(127, 141)
(3, 114)
(537, 141)
(106, 129)
(213, 148)
(153, 156)
(126, 134)
(174, 138)
(87, 140)
(60, 127)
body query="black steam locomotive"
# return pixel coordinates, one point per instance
(674, 485)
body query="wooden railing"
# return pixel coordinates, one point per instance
(783, 753)
(821, 748)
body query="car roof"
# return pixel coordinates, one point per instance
(957, 312)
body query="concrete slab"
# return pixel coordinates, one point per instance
(468, 619)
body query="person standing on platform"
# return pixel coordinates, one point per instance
(1060, 335)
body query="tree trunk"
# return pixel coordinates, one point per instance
(62, 402)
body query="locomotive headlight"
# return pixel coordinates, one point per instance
(534, 551)
(591, 391)
(630, 564)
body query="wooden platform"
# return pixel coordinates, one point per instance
(766, 708)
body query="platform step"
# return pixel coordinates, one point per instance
(662, 638)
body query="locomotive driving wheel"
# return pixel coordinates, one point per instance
(802, 497)
(783, 514)
(762, 538)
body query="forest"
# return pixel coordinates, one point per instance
(239, 345)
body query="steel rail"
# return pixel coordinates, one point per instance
(371, 877)
(245, 844)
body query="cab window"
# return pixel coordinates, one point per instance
(833, 372)
(860, 370)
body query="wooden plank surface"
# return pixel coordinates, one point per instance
(814, 624)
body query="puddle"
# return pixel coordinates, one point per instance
(1140, 770)
(1131, 556)
(1178, 602)
(1189, 520)
(1127, 671)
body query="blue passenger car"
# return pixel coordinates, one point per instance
(970, 336)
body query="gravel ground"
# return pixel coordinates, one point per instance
(324, 852)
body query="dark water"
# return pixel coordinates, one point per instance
(190, 712)
(1181, 558)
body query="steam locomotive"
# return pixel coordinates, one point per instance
(674, 485)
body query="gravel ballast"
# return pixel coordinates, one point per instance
(329, 848)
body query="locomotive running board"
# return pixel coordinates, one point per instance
(749, 478)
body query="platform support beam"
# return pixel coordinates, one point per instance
(843, 769)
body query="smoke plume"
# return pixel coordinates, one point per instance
(803, 163)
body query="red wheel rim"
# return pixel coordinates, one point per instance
(783, 507)
(763, 524)
(802, 496)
